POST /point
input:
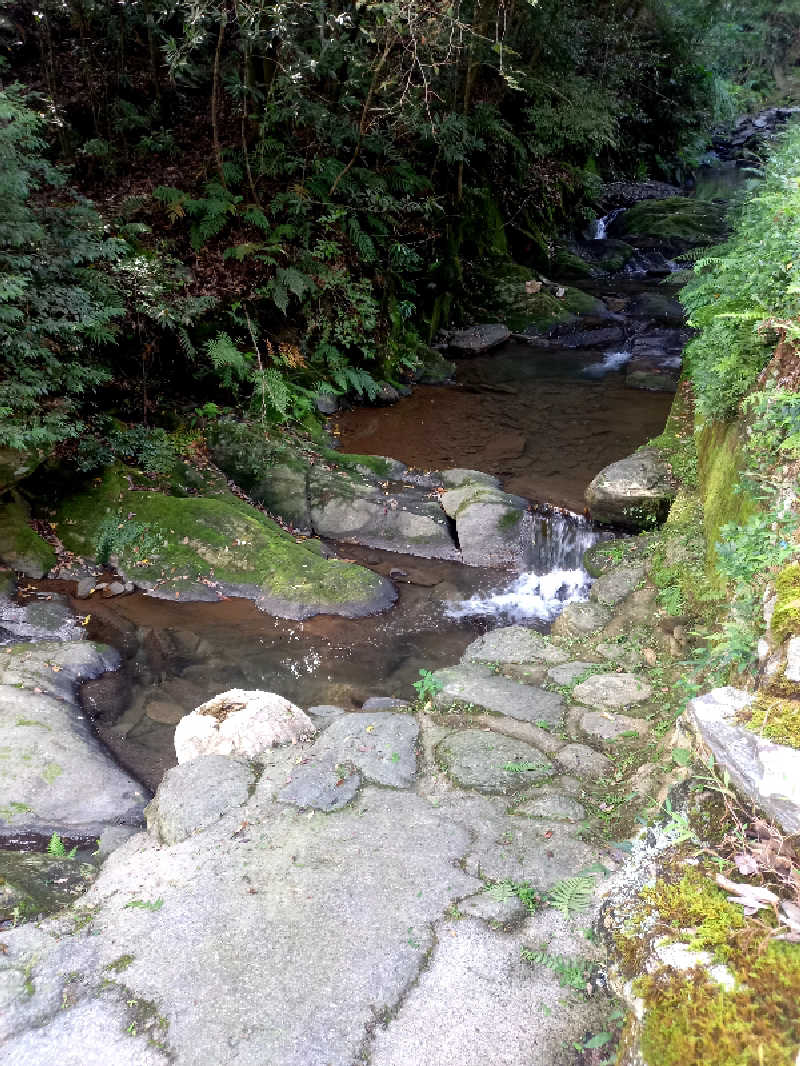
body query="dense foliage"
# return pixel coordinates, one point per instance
(745, 294)
(291, 197)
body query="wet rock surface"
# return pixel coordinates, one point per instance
(632, 492)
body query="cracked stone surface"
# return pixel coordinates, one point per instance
(480, 1004)
(477, 685)
(539, 850)
(612, 690)
(477, 759)
(296, 930)
(553, 805)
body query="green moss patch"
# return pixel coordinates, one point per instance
(720, 462)
(690, 1017)
(676, 218)
(197, 547)
(786, 616)
(775, 719)
(20, 547)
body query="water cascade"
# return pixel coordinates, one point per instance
(557, 576)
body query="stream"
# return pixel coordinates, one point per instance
(545, 416)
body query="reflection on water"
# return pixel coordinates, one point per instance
(610, 362)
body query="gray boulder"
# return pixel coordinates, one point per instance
(635, 492)
(478, 686)
(349, 506)
(493, 527)
(612, 690)
(380, 744)
(57, 777)
(195, 794)
(513, 644)
(578, 619)
(613, 587)
(491, 763)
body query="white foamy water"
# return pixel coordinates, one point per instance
(611, 361)
(532, 596)
(556, 579)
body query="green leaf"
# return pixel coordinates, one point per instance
(681, 756)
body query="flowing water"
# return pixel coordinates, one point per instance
(544, 417)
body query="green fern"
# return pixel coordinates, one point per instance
(232, 365)
(573, 895)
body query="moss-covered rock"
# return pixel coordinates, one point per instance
(206, 548)
(513, 294)
(720, 462)
(15, 465)
(775, 719)
(786, 616)
(677, 218)
(20, 547)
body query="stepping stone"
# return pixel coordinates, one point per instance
(552, 805)
(478, 759)
(604, 726)
(542, 851)
(383, 703)
(612, 690)
(478, 686)
(322, 784)
(577, 619)
(380, 744)
(513, 644)
(195, 794)
(614, 586)
(566, 673)
(584, 762)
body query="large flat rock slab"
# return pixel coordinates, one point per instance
(276, 941)
(540, 850)
(480, 1004)
(55, 775)
(765, 772)
(478, 339)
(492, 763)
(476, 685)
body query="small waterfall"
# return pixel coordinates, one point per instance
(610, 362)
(598, 230)
(557, 576)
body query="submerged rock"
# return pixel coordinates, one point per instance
(243, 723)
(635, 492)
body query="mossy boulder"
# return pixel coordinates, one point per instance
(590, 259)
(517, 297)
(676, 219)
(15, 465)
(433, 368)
(635, 492)
(210, 547)
(20, 547)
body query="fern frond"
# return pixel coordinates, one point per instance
(573, 895)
